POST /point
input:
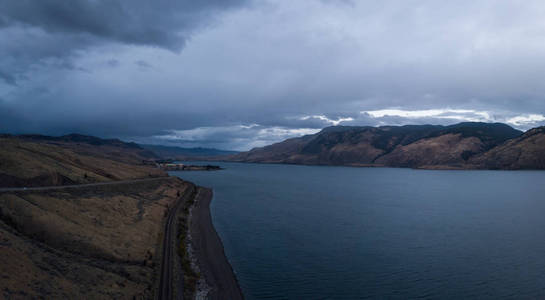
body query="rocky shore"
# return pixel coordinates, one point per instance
(208, 254)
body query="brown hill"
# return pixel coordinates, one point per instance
(415, 146)
(524, 152)
(43, 161)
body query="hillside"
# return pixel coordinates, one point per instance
(524, 152)
(415, 146)
(98, 242)
(33, 160)
(179, 153)
(86, 241)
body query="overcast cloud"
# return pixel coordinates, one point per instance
(239, 74)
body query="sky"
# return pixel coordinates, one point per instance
(238, 74)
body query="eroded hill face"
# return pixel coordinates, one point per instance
(44, 161)
(412, 146)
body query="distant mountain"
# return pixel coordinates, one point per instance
(80, 138)
(172, 152)
(416, 146)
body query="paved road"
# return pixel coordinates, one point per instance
(58, 187)
(167, 263)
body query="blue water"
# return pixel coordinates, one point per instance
(310, 232)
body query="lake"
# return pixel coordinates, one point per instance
(315, 232)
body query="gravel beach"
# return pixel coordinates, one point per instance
(209, 253)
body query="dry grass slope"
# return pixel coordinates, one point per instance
(36, 162)
(101, 242)
(94, 242)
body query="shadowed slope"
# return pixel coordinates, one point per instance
(524, 152)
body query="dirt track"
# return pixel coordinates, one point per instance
(169, 243)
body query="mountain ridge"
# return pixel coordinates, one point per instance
(175, 152)
(466, 145)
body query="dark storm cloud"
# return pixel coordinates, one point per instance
(8, 78)
(34, 31)
(254, 73)
(162, 23)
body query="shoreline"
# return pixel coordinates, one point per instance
(208, 253)
(381, 166)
